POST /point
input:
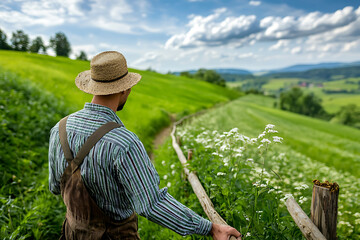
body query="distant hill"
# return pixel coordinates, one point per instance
(321, 74)
(222, 71)
(306, 67)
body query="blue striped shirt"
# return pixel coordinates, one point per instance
(119, 174)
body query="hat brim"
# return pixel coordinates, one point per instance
(84, 82)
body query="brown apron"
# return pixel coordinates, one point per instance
(84, 219)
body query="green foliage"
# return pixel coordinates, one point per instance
(3, 41)
(28, 210)
(20, 41)
(60, 44)
(348, 115)
(150, 102)
(321, 74)
(296, 101)
(82, 56)
(37, 45)
(311, 149)
(210, 76)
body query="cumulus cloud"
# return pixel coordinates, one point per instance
(210, 31)
(218, 29)
(111, 15)
(254, 3)
(313, 23)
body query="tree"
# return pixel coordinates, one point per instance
(348, 115)
(60, 44)
(210, 76)
(308, 104)
(20, 41)
(37, 45)
(186, 74)
(3, 42)
(82, 56)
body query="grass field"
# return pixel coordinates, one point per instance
(37, 91)
(331, 102)
(150, 102)
(310, 149)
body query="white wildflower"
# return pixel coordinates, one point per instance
(248, 234)
(272, 131)
(269, 126)
(250, 160)
(168, 184)
(288, 195)
(163, 162)
(261, 135)
(265, 140)
(173, 172)
(271, 190)
(220, 174)
(165, 177)
(260, 146)
(172, 166)
(277, 139)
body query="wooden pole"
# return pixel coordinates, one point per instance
(324, 207)
(190, 154)
(306, 226)
(197, 187)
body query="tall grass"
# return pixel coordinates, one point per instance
(148, 106)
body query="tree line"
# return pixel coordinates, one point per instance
(210, 76)
(295, 100)
(20, 41)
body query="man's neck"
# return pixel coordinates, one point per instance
(110, 101)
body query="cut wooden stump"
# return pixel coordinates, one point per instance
(324, 207)
(306, 226)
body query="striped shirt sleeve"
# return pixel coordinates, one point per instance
(141, 182)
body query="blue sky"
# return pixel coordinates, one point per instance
(189, 34)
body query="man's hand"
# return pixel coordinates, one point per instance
(223, 232)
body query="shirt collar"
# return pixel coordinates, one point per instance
(104, 110)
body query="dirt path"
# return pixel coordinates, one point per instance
(162, 135)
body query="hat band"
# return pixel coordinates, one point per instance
(112, 80)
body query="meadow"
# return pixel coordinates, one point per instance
(151, 101)
(36, 92)
(247, 172)
(332, 102)
(250, 158)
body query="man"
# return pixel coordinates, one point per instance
(103, 171)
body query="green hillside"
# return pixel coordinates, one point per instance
(310, 149)
(36, 91)
(148, 107)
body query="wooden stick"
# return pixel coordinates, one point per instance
(307, 227)
(190, 154)
(197, 187)
(324, 208)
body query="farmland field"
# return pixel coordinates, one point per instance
(231, 169)
(36, 92)
(247, 172)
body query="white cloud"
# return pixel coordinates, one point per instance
(254, 3)
(296, 50)
(111, 15)
(313, 23)
(210, 31)
(219, 29)
(281, 44)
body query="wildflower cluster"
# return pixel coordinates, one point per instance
(249, 178)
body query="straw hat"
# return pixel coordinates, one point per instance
(108, 74)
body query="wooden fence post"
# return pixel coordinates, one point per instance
(178, 140)
(190, 154)
(324, 207)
